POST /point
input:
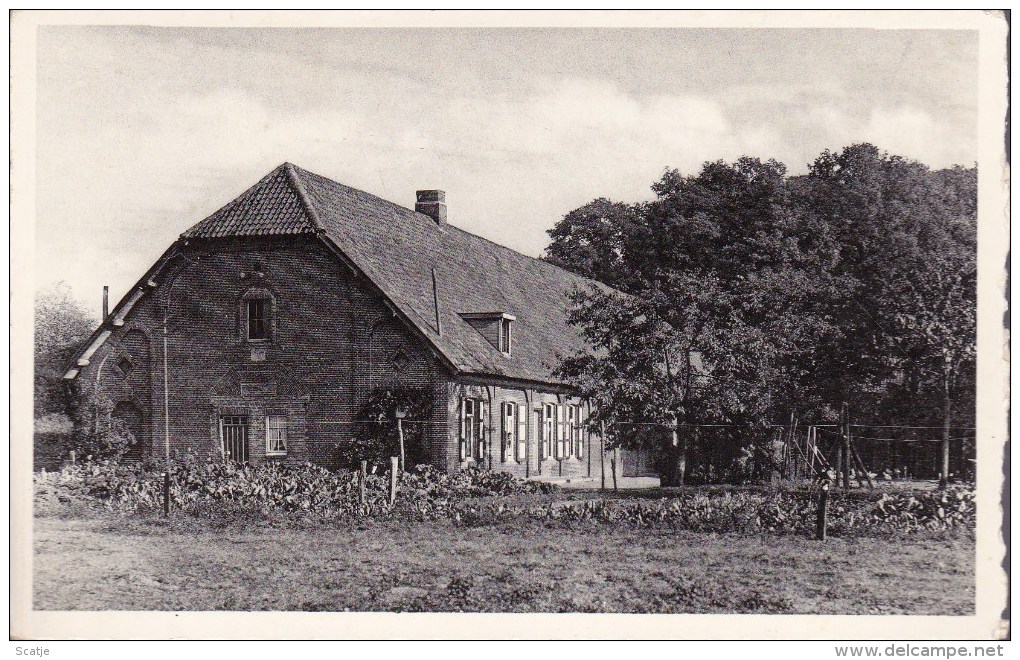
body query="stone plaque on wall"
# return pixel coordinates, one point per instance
(258, 389)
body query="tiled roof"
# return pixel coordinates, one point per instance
(271, 206)
(398, 248)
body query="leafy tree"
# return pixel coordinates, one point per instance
(907, 313)
(722, 308)
(61, 325)
(590, 241)
(754, 294)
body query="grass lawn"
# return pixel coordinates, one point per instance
(98, 561)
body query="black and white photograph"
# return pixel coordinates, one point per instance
(444, 313)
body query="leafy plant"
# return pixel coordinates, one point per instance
(376, 439)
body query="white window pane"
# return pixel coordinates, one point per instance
(276, 433)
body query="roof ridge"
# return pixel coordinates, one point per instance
(299, 189)
(365, 193)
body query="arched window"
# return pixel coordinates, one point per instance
(258, 315)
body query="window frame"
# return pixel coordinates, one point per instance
(261, 322)
(562, 447)
(472, 429)
(254, 296)
(284, 432)
(235, 429)
(506, 335)
(547, 444)
(576, 430)
(510, 429)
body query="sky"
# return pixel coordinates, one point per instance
(144, 131)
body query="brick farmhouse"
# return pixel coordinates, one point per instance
(261, 332)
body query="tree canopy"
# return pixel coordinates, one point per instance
(747, 294)
(61, 325)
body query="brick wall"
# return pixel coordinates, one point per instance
(332, 341)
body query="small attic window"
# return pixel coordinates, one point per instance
(506, 333)
(496, 327)
(257, 315)
(258, 318)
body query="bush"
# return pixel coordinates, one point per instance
(789, 512)
(96, 435)
(375, 436)
(470, 482)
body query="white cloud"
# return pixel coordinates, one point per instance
(913, 133)
(146, 137)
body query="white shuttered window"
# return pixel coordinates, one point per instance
(509, 434)
(522, 435)
(561, 432)
(548, 429)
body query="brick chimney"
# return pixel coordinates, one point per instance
(433, 204)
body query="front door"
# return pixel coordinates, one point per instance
(127, 421)
(234, 437)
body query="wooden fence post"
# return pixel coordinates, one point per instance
(613, 465)
(166, 493)
(820, 521)
(400, 414)
(846, 447)
(363, 477)
(393, 479)
(602, 439)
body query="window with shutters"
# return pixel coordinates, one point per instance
(561, 433)
(276, 435)
(522, 435)
(548, 429)
(472, 429)
(576, 430)
(509, 426)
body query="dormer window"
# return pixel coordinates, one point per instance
(496, 327)
(505, 335)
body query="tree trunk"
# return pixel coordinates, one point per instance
(675, 468)
(680, 447)
(947, 412)
(846, 448)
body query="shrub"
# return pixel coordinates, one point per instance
(783, 512)
(375, 436)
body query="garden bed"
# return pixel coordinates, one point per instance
(481, 497)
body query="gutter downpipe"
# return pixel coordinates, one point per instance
(166, 360)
